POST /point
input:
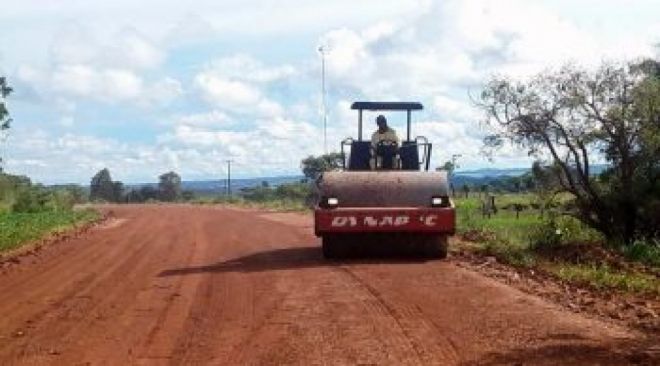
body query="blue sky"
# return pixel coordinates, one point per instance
(143, 87)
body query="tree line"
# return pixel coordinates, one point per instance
(103, 188)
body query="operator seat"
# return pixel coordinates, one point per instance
(360, 155)
(409, 154)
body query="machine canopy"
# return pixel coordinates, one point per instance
(387, 106)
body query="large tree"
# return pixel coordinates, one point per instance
(102, 187)
(312, 166)
(575, 116)
(169, 186)
(5, 121)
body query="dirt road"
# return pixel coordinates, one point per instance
(203, 285)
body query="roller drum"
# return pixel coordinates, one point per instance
(383, 188)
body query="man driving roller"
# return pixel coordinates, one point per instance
(384, 135)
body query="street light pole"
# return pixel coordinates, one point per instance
(323, 50)
(454, 158)
(229, 177)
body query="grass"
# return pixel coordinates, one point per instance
(523, 241)
(504, 224)
(279, 204)
(17, 229)
(647, 253)
(603, 277)
(503, 235)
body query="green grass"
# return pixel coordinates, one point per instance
(647, 252)
(603, 277)
(279, 204)
(525, 242)
(20, 228)
(504, 223)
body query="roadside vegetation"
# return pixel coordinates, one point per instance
(20, 228)
(554, 243)
(600, 229)
(284, 197)
(29, 212)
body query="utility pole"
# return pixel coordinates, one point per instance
(323, 50)
(229, 177)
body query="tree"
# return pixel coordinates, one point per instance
(102, 187)
(574, 116)
(313, 166)
(77, 192)
(5, 121)
(188, 195)
(546, 184)
(117, 191)
(169, 186)
(466, 190)
(134, 196)
(484, 189)
(448, 166)
(148, 193)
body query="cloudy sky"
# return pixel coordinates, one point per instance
(142, 87)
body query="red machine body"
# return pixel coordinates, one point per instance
(388, 219)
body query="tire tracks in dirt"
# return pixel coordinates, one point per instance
(197, 285)
(430, 346)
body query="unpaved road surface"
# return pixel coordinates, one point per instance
(203, 285)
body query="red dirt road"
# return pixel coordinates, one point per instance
(202, 285)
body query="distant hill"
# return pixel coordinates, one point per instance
(237, 184)
(489, 176)
(219, 185)
(474, 177)
(492, 172)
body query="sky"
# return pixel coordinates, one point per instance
(145, 87)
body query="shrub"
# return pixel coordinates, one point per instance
(30, 199)
(508, 252)
(556, 230)
(647, 252)
(604, 277)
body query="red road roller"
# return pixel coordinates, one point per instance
(385, 198)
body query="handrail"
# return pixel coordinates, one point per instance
(419, 141)
(346, 141)
(426, 145)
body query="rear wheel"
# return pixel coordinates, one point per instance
(332, 247)
(436, 247)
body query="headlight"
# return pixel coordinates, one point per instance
(332, 202)
(439, 201)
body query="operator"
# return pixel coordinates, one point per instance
(383, 135)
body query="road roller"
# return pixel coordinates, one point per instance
(384, 199)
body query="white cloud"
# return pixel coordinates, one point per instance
(271, 144)
(208, 119)
(118, 85)
(71, 83)
(162, 92)
(246, 68)
(220, 91)
(449, 50)
(252, 93)
(238, 84)
(77, 43)
(77, 80)
(84, 66)
(131, 49)
(458, 43)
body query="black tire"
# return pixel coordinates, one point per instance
(331, 247)
(436, 247)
